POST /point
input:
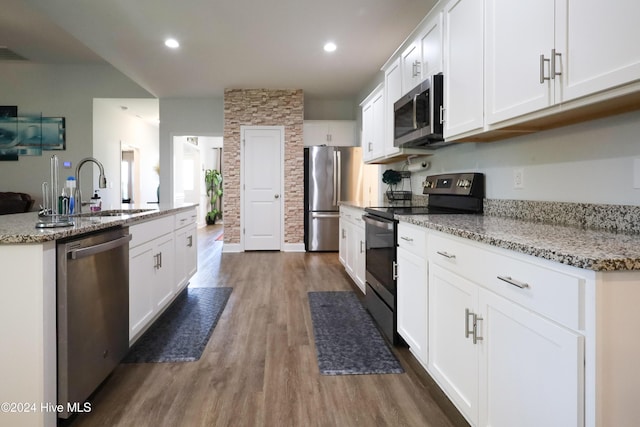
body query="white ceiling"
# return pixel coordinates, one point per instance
(224, 43)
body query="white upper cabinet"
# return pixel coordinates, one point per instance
(598, 43)
(339, 133)
(463, 67)
(373, 124)
(423, 57)
(393, 91)
(411, 66)
(431, 43)
(547, 52)
(517, 34)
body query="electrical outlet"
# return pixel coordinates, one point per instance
(518, 178)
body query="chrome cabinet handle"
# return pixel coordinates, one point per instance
(473, 331)
(446, 255)
(190, 240)
(516, 283)
(554, 71)
(160, 258)
(467, 313)
(542, 61)
(476, 337)
(441, 114)
(395, 270)
(344, 234)
(407, 239)
(370, 147)
(361, 245)
(156, 262)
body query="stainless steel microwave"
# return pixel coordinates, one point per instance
(417, 116)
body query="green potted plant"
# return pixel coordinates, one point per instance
(213, 181)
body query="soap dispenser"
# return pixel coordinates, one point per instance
(96, 203)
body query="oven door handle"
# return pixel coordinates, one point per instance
(382, 224)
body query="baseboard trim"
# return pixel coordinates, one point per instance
(293, 247)
(232, 247)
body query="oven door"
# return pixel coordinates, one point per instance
(380, 238)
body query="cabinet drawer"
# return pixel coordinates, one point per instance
(185, 218)
(352, 215)
(149, 230)
(413, 239)
(545, 287)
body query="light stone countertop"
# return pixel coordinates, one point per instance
(575, 246)
(21, 228)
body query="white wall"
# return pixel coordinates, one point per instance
(111, 128)
(182, 116)
(590, 162)
(329, 109)
(57, 91)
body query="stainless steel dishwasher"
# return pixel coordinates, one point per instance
(92, 312)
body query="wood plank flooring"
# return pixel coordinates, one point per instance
(259, 367)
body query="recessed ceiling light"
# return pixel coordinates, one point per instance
(172, 43)
(330, 47)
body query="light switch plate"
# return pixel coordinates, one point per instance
(518, 178)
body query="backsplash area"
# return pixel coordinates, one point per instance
(616, 218)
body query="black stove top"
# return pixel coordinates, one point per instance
(389, 211)
(460, 193)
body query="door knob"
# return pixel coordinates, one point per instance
(277, 196)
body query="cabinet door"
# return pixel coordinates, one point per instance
(431, 42)
(164, 283)
(350, 258)
(453, 357)
(517, 33)
(598, 44)
(181, 258)
(532, 370)
(315, 133)
(378, 125)
(359, 267)
(142, 274)
(463, 67)
(191, 258)
(411, 66)
(367, 132)
(412, 302)
(342, 133)
(342, 243)
(393, 92)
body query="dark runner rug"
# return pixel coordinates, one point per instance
(347, 340)
(181, 333)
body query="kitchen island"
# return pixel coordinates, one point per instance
(28, 304)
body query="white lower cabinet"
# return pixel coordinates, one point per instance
(162, 259)
(490, 348)
(411, 290)
(151, 278)
(351, 250)
(186, 248)
(531, 369)
(453, 357)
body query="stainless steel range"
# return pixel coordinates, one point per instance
(460, 193)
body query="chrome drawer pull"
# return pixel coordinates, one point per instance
(509, 280)
(407, 239)
(445, 254)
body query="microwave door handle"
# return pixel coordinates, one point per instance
(415, 111)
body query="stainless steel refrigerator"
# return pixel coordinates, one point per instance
(331, 175)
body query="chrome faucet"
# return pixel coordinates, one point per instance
(102, 180)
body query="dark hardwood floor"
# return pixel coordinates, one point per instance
(259, 367)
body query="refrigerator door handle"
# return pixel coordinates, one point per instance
(335, 178)
(339, 196)
(325, 215)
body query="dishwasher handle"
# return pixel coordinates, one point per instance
(102, 247)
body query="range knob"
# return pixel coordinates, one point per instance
(427, 184)
(464, 183)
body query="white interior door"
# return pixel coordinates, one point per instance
(262, 175)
